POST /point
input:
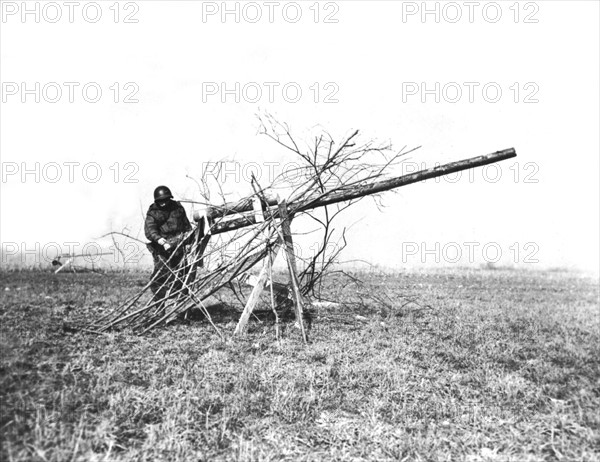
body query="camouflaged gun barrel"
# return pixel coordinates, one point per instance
(230, 208)
(248, 218)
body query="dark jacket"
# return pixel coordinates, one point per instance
(166, 222)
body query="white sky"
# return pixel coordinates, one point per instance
(370, 55)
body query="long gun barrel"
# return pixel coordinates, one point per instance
(347, 194)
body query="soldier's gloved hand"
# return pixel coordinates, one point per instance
(162, 241)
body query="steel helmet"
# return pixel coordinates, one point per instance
(161, 193)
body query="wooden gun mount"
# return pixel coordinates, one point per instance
(341, 195)
(189, 284)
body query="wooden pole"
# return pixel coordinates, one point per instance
(291, 260)
(356, 192)
(273, 307)
(229, 208)
(258, 288)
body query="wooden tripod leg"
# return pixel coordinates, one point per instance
(291, 260)
(200, 244)
(195, 260)
(258, 288)
(202, 239)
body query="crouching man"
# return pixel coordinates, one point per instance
(166, 223)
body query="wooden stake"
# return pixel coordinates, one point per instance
(258, 288)
(273, 307)
(291, 260)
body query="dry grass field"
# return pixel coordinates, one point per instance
(490, 364)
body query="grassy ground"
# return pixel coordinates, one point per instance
(492, 365)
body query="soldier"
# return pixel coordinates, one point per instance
(166, 223)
